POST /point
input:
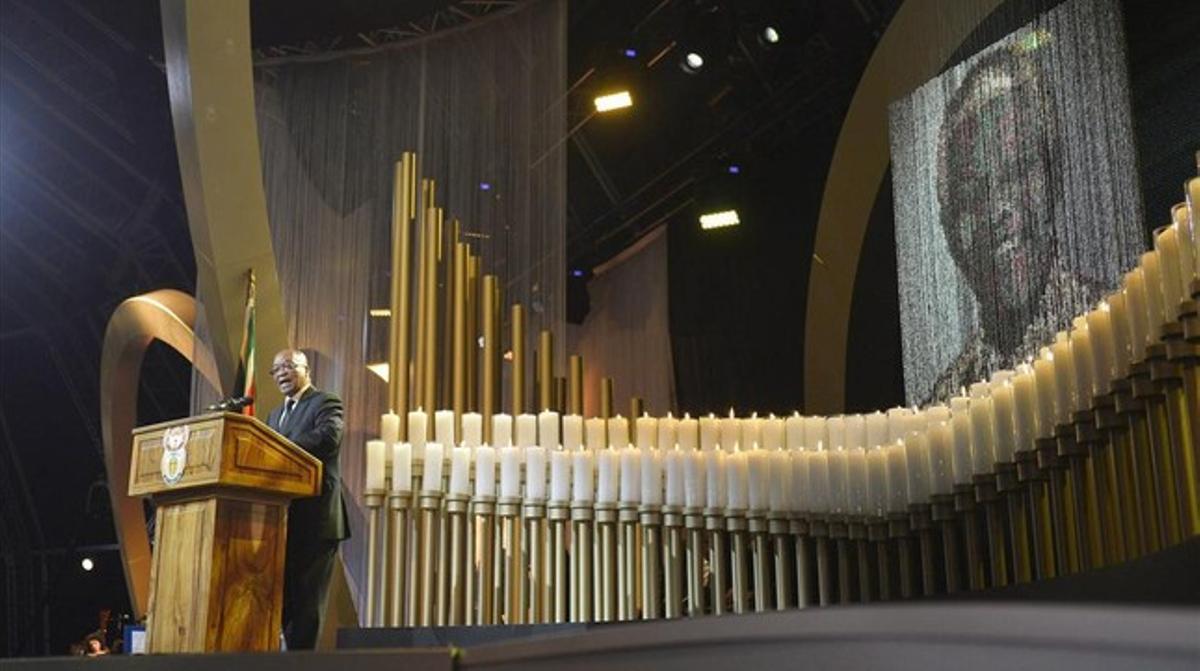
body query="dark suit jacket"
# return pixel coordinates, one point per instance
(316, 424)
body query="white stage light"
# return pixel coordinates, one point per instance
(613, 101)
(721, 219)
(692, 63)
(87, 564)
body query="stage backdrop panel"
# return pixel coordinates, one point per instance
(1016, 197)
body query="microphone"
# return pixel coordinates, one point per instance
(233, 403)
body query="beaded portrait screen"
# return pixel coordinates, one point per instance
(1016, 198)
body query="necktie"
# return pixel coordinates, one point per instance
(288, 406)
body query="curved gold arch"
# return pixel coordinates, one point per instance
(860, 160)
(167, 315)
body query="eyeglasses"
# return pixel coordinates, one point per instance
(285, 366)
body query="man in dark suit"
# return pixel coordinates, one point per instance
(313, 420)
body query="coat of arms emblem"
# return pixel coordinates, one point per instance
(174, 457)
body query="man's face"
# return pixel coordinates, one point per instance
(290, 371)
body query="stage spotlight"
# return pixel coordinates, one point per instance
(380, 312)
(692, 62)
(630, 53)
(613, 101)
(721, 219)
(768, 36)
(87, 564)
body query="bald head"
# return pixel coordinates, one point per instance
(290, 371)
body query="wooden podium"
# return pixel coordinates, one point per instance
(221, 484)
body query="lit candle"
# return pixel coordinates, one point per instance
(876, 429)
(855, 435)
(560, 476)
(839, 478)
(835, 428)
(1099, 322)
(1156, 313)
(737, 474)
(652, 475)
(1166, 243)
(877, 482)
(714, 479)
(694, 482)
(1024, 408)
(389, 427)
(472, 429)
(618, 432)
(799, 459)
(917, 467)
(676, 476)
(401, 467)
(1004, 432)
(596, 434)
(572, 433)
(435, 462)
(780, 468)
(758, 464)
(548, 429)
(510, 472)
(460, 471)
(856, 465)
(731, 432)
(1064, 378)
(897, 424)
(609, 467)
(535, 473)
(897, 478)
(1047, 393)
(501, 430)
(647, 428)
(814, 432)
(376, 457)
(1136, 313)
(582, 467)
(688, 434)
(631, 470)
(418, 433)
(1180, 216)
(709, 433)
(667, 428)
(751, 432)
(941, 459)
(485, 471)
(793, 429)
(960, 429)
(772, 433)
(1118, 316)
(818, 480)
(981, 429)
(443, 422)
(936, 414)
(526, 430)
(1081, 358)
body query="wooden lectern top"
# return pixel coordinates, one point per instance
(221, 449)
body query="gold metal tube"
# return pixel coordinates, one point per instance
(672, 567)
(717, 560)
(484, 561)
(398, 557)
(560, 611)
(427, 560)
(582, 572)
(761, 556)
(456, 608)
(518, 359)
(560, 395)
(459, 336)
(430, 366)
(373, 501)
(535, 566)
(695, 564)
(401, 318)
(636, 407)
(606, 398)
(474, 264)
(626, 569)
(491, 352)
(510, 543)
(545, 364)
(651, 562)
(783, 574)
(575, 397)
(739, 564)
(608, 570)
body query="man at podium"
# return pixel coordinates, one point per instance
(313, 420)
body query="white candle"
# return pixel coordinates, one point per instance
(535, 473)
(435, 460)
(982, 433)
(1104, 356)
(694, 482)
(1166, 243)
(501, 430)
(688, 433)
(667, 428)
(960, 427)
(418, 433)
(510, 472)
(751, 432)
(572, 430)
(608, 465)
(560, 476)
(1004, 432)
(526, 430)
(737, 475)
(758, 464)
(936, 414)
(652, 476)
(877, 483)
(780, 468)
(897, 424)
(1180, 216)
(897, 478)
(548, 429)
(460, 471)
(839, 479)
(376, 457)
(772, 433)
(676, 476)
(582, 466)
(401, 467)
(1024, 408)
(793, 429)
(941, 459)
(596, 434)
(799, 459)
(485, 471)
(814, 432)
(389, 427)
(1156, 314)
(618, 432)
(856, 432)
(472, 429)
(818, 480)
(1081, 358)
(1122, 353)
(731, 432)
(714, 479)
(856, 502)
(631, 471)
(443, 422)
(1047, 393)
(1064, 378)
(1136, 312)
(647, 428)
(917, 467)
(709, 432)
(835, 428)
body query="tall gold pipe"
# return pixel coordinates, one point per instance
(575, 401)
(422, 254)
(491, 352)
(400, 322)
(545, 364)
(429, 288)
(606, 398)
(636, 407)
(518, 359)
(448, 283)
(560, 395)
(459, 335)
(474, 264)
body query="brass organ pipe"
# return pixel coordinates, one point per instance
(518, 359)
(636, 407)
(545, 364)
(575, 400)
(459, 336)
(474, 264)
(431, 314)
(400, 322)
(606, 398)
(491, 352)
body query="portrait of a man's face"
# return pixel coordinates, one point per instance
(1015, 195)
